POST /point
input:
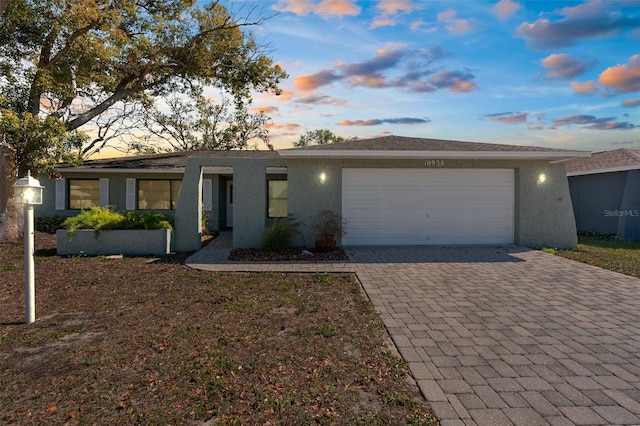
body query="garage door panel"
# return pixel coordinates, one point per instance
(427, 206)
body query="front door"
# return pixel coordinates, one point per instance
(230, 203)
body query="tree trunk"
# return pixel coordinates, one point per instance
(10, 219)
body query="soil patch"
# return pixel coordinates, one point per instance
(295, 254)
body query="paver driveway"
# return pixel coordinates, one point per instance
(500, 335)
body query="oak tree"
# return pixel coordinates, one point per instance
(319, 137)
(67, 63)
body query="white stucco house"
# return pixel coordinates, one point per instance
(390, 190)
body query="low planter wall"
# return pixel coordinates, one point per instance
(128, 242)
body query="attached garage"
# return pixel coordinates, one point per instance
(428, 206)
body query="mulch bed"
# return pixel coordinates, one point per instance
(295, 254)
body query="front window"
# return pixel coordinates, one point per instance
(84, 193)
(277, 198)
(158, 194)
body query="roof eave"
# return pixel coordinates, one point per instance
(604, 170)
(119, 170)
(443, 155)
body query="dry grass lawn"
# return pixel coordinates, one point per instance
(150, 341)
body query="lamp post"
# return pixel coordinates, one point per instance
(28, 192)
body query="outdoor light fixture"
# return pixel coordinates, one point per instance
(323, 177)
(28, 192)
(542, 178)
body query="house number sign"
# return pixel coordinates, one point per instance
(434, 163)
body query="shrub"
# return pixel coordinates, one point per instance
(49, 224)
(148, 220)
(278, 236)
(99, 218)
(328, 223)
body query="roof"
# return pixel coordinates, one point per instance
(406, 147)
(387, 147)
(169, 162)
(604, 162)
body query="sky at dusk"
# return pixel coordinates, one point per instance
(547, 73)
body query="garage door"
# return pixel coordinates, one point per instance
(427, 206)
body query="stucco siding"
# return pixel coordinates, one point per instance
(544, 212)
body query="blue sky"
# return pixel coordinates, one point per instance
(546, 73)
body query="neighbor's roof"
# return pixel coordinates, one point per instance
(168, 162)
(406, 147)
(604, 162)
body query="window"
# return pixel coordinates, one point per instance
(84, 193)
(277, 198)
(158, 194)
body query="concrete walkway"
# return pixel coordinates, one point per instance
(498, 335)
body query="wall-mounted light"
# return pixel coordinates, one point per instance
(542, 178)
(323, 177)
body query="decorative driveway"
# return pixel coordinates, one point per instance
(498, 335)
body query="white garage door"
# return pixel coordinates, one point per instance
(427, 206)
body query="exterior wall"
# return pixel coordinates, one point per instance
(592, 195)
(544, 217)
(629, 213)
(249, 202)
(117, 193)
(607, 203)
(129, 242)
(543, 214)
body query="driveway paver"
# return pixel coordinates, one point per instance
(498, 335)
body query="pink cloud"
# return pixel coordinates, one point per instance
(290, 126)
(455, 81)
(382, 22)
(309, 82)
(392, 7)
(586, 88)
(623, 78)
(337, 8)
(563, 66)
(591, 19)
(377, 121)
(627, 103)
(325, 8)
(592, 122)
(504, 9)
(388, 11)
(453, 24)
(315, 99)
(264, 109)
(509, 117)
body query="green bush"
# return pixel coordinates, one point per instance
(49, 224)
(278, 236)
(99, 218)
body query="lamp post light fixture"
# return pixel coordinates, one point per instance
(28, 192)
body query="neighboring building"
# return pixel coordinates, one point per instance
(390, 191)
(605, 192)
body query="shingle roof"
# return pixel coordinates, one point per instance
(603, 161)
(401, 143)
(169, 161)
(404, 146)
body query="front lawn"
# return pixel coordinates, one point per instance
(150, 341)
(606, 253)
